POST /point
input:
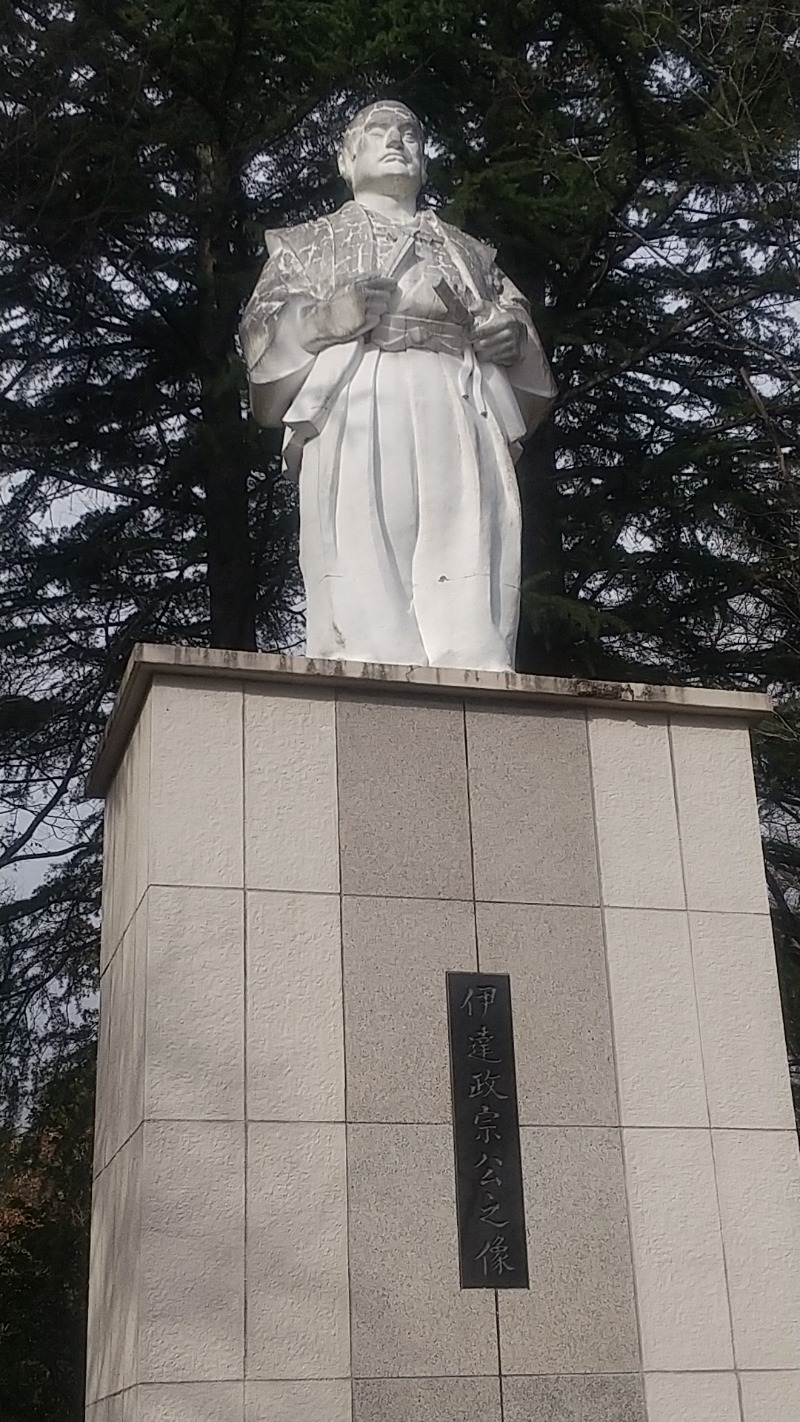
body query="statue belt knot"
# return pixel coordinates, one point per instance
(406, 371)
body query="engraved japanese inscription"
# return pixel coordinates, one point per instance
(489, 1196)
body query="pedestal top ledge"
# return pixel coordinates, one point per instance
(149, 660)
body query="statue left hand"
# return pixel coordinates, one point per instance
(497, 336)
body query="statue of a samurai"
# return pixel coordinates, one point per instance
(405, 370)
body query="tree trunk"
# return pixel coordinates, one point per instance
(223, 445)
(231, 582)
(542, 551)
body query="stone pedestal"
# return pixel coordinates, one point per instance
(295, 855)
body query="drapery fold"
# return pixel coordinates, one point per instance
(402, 440)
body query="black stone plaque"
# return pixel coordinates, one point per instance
(491, 1211)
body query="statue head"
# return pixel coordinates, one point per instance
(383, 151)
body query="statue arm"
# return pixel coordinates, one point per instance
(509, 297)
(270, 333)
(530, 375)
(286, 325)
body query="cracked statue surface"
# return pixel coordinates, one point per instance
(406, 371)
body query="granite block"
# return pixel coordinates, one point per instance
(692, 1397)
(409, 1317)
(656, 1032)
(119, 1104)
(125, 837)
(297, 1288)
(192, 1264)
(129, 1063)
(396, 954)
(194, 1066)
(423, 1350)
(403, 818)
(114, 1273)
(290, 790)
(101, 1276)
(637, 825)
(578, 1316)
(609, 1398)
(531, 806)
(426, 1400)
(758, 1178)
(106, 1117)
(294, 997)
(741, 1026)
(121, 1407)
(122, 1338)
(97, 1411)
(190, 1402)
(195, 825)
(718, 816)
(325, 1401)
(677, 1251)
(770, 1396)
(559, 1000)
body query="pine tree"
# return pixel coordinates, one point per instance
(145, 149)
(636, 164)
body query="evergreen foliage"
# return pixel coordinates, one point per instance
(636, 165)
(44, 1248)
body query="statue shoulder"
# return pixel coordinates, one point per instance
(308, 239)
(300, 240)
(480, 252)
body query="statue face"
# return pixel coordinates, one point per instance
(383, 152)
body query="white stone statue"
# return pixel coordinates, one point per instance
(405, 369)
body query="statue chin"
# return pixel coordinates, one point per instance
(388, 182)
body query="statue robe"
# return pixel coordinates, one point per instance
(402, 441)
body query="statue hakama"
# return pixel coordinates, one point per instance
(405, 370)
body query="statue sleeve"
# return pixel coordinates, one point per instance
(531, 377)
(277, 362)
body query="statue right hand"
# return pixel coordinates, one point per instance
(354, 309)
